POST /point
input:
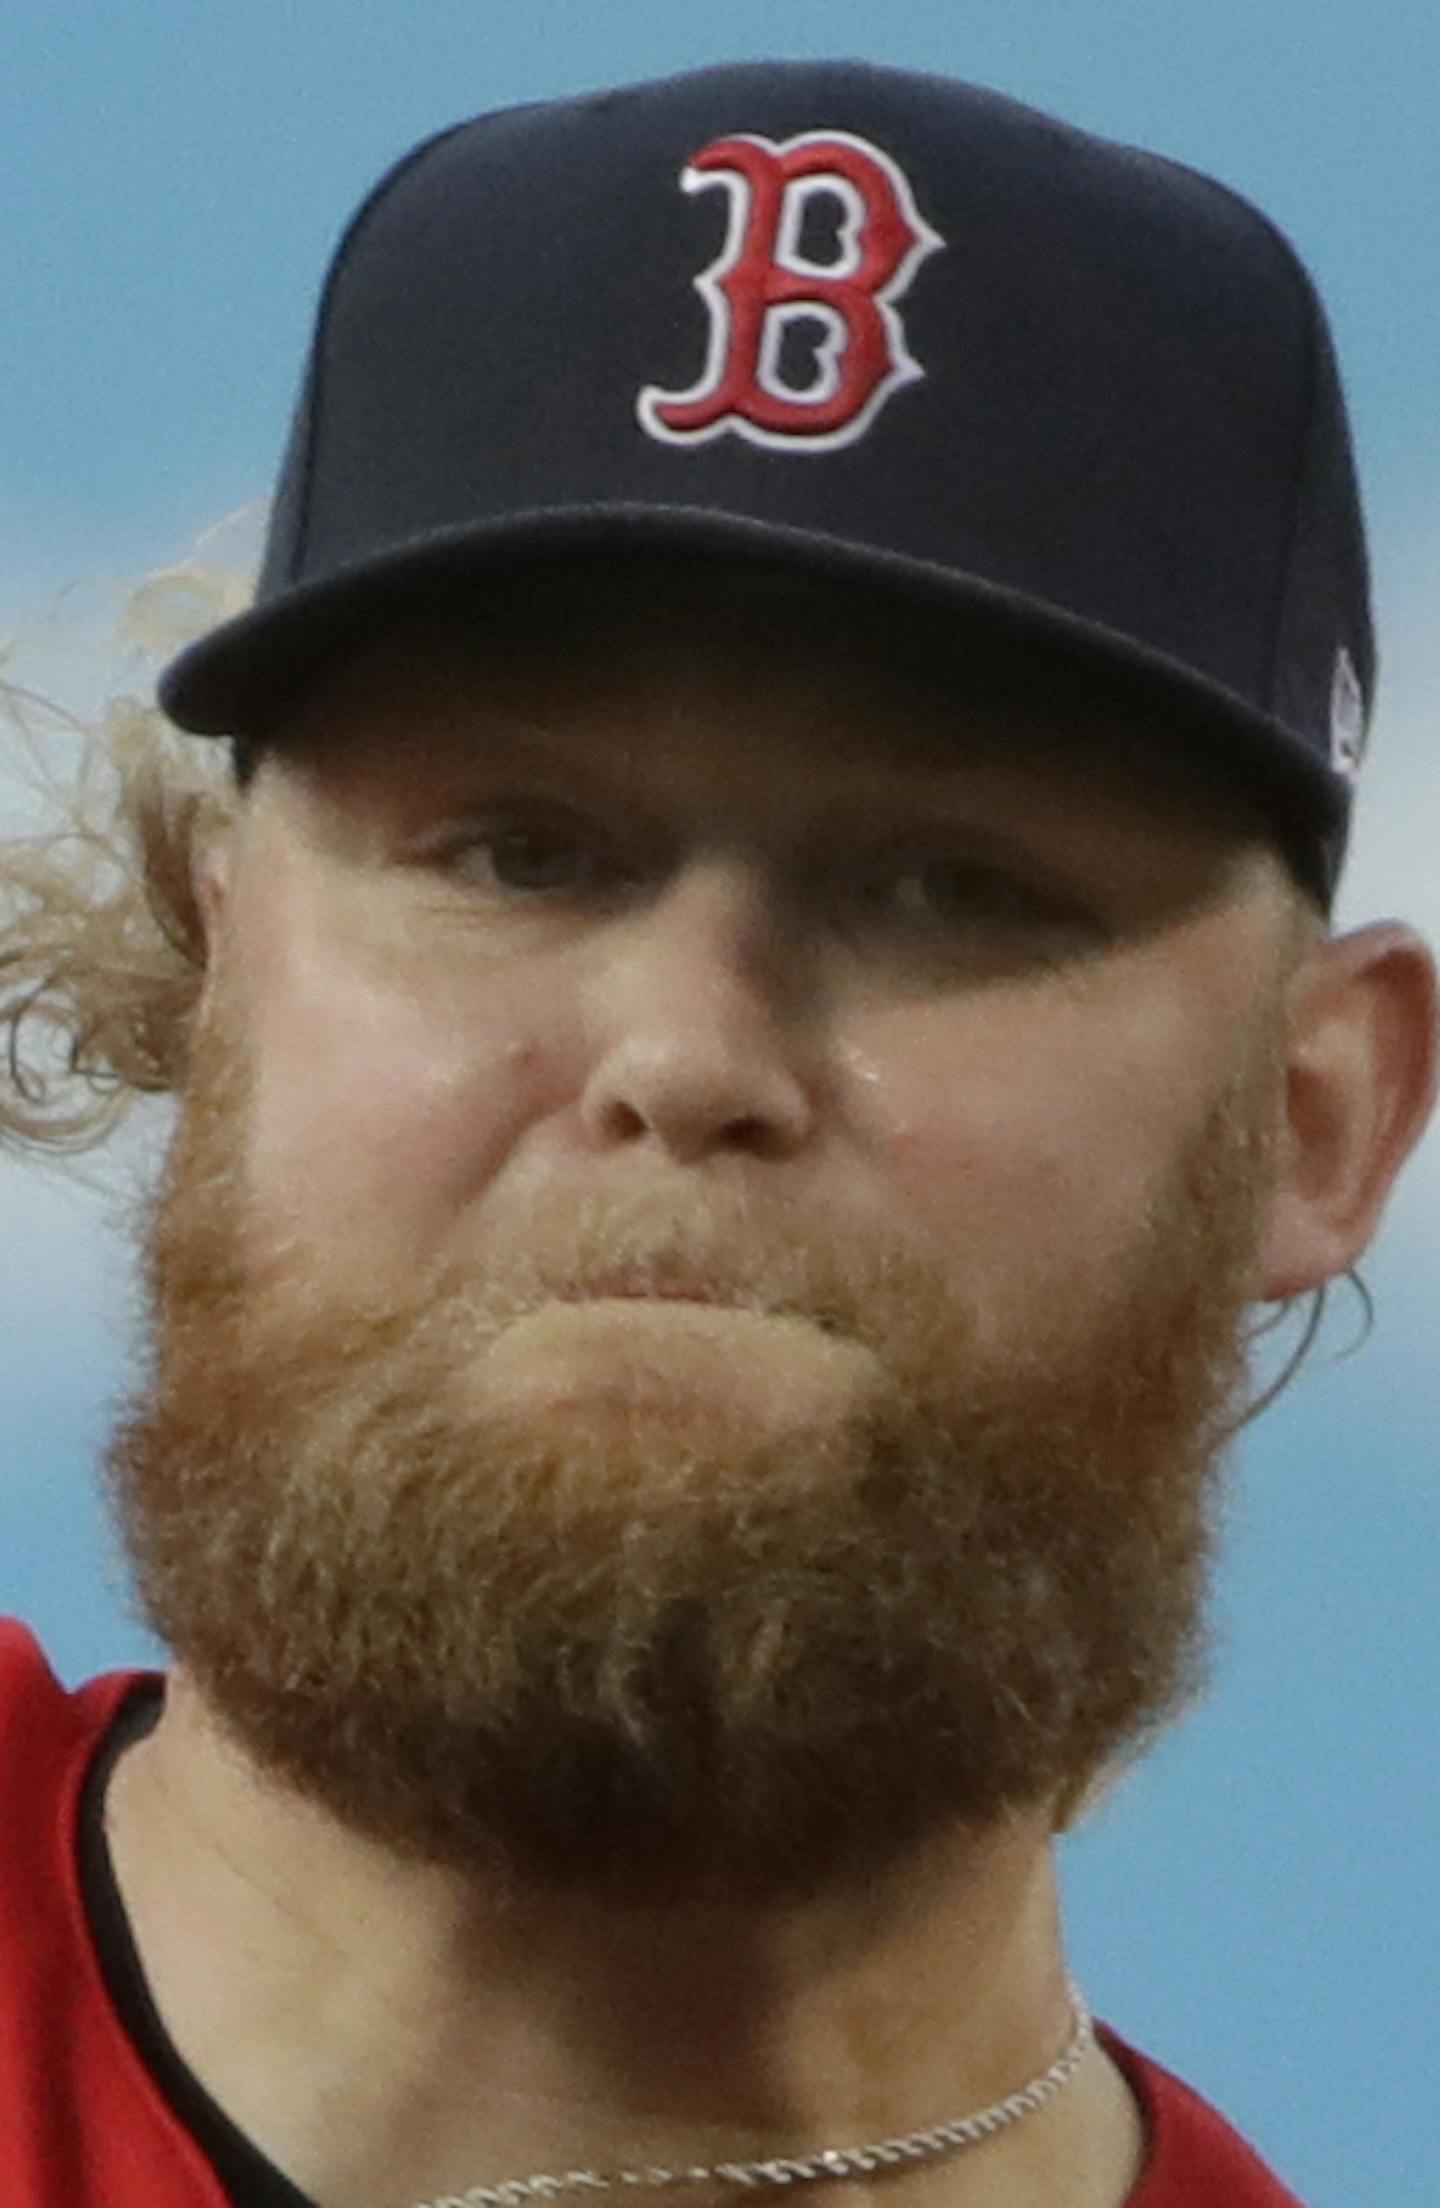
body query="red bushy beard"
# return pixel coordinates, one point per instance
(646, 1654)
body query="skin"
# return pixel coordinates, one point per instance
(433, 1044)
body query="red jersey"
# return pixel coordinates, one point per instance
(93, 2116)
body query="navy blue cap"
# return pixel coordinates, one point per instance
(868, 323)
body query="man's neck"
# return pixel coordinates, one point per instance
(386, 2032)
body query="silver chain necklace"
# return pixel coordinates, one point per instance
(828, 2164)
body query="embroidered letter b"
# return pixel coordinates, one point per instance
(762, 285)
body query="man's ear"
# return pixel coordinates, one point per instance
(211, 879)
(1360, 1084)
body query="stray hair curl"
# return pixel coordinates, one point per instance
(102, 948)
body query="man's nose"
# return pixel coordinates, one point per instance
(705, 1024)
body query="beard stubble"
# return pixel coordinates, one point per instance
(619, 1653)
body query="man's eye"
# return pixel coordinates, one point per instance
(954, 906)
(941, 890)
(532, 860)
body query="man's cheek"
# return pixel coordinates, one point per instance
(1030, 1177)
(370, 1134)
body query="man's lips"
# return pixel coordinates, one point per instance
(632, 1288)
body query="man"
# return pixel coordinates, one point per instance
(758, 1021)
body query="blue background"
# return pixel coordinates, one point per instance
(1257, 1904)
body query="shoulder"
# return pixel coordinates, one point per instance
(81, 2118)
(37, 1722)
(49, 1734)
(1195, 2156)
(44, 1725)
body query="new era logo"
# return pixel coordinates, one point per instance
(1347, 718)
(764, 285)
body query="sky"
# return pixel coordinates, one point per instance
(1256, 1905)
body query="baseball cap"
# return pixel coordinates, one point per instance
(882, 326)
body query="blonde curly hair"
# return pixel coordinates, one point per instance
(102, 948)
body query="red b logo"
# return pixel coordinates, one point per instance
(762, 285)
